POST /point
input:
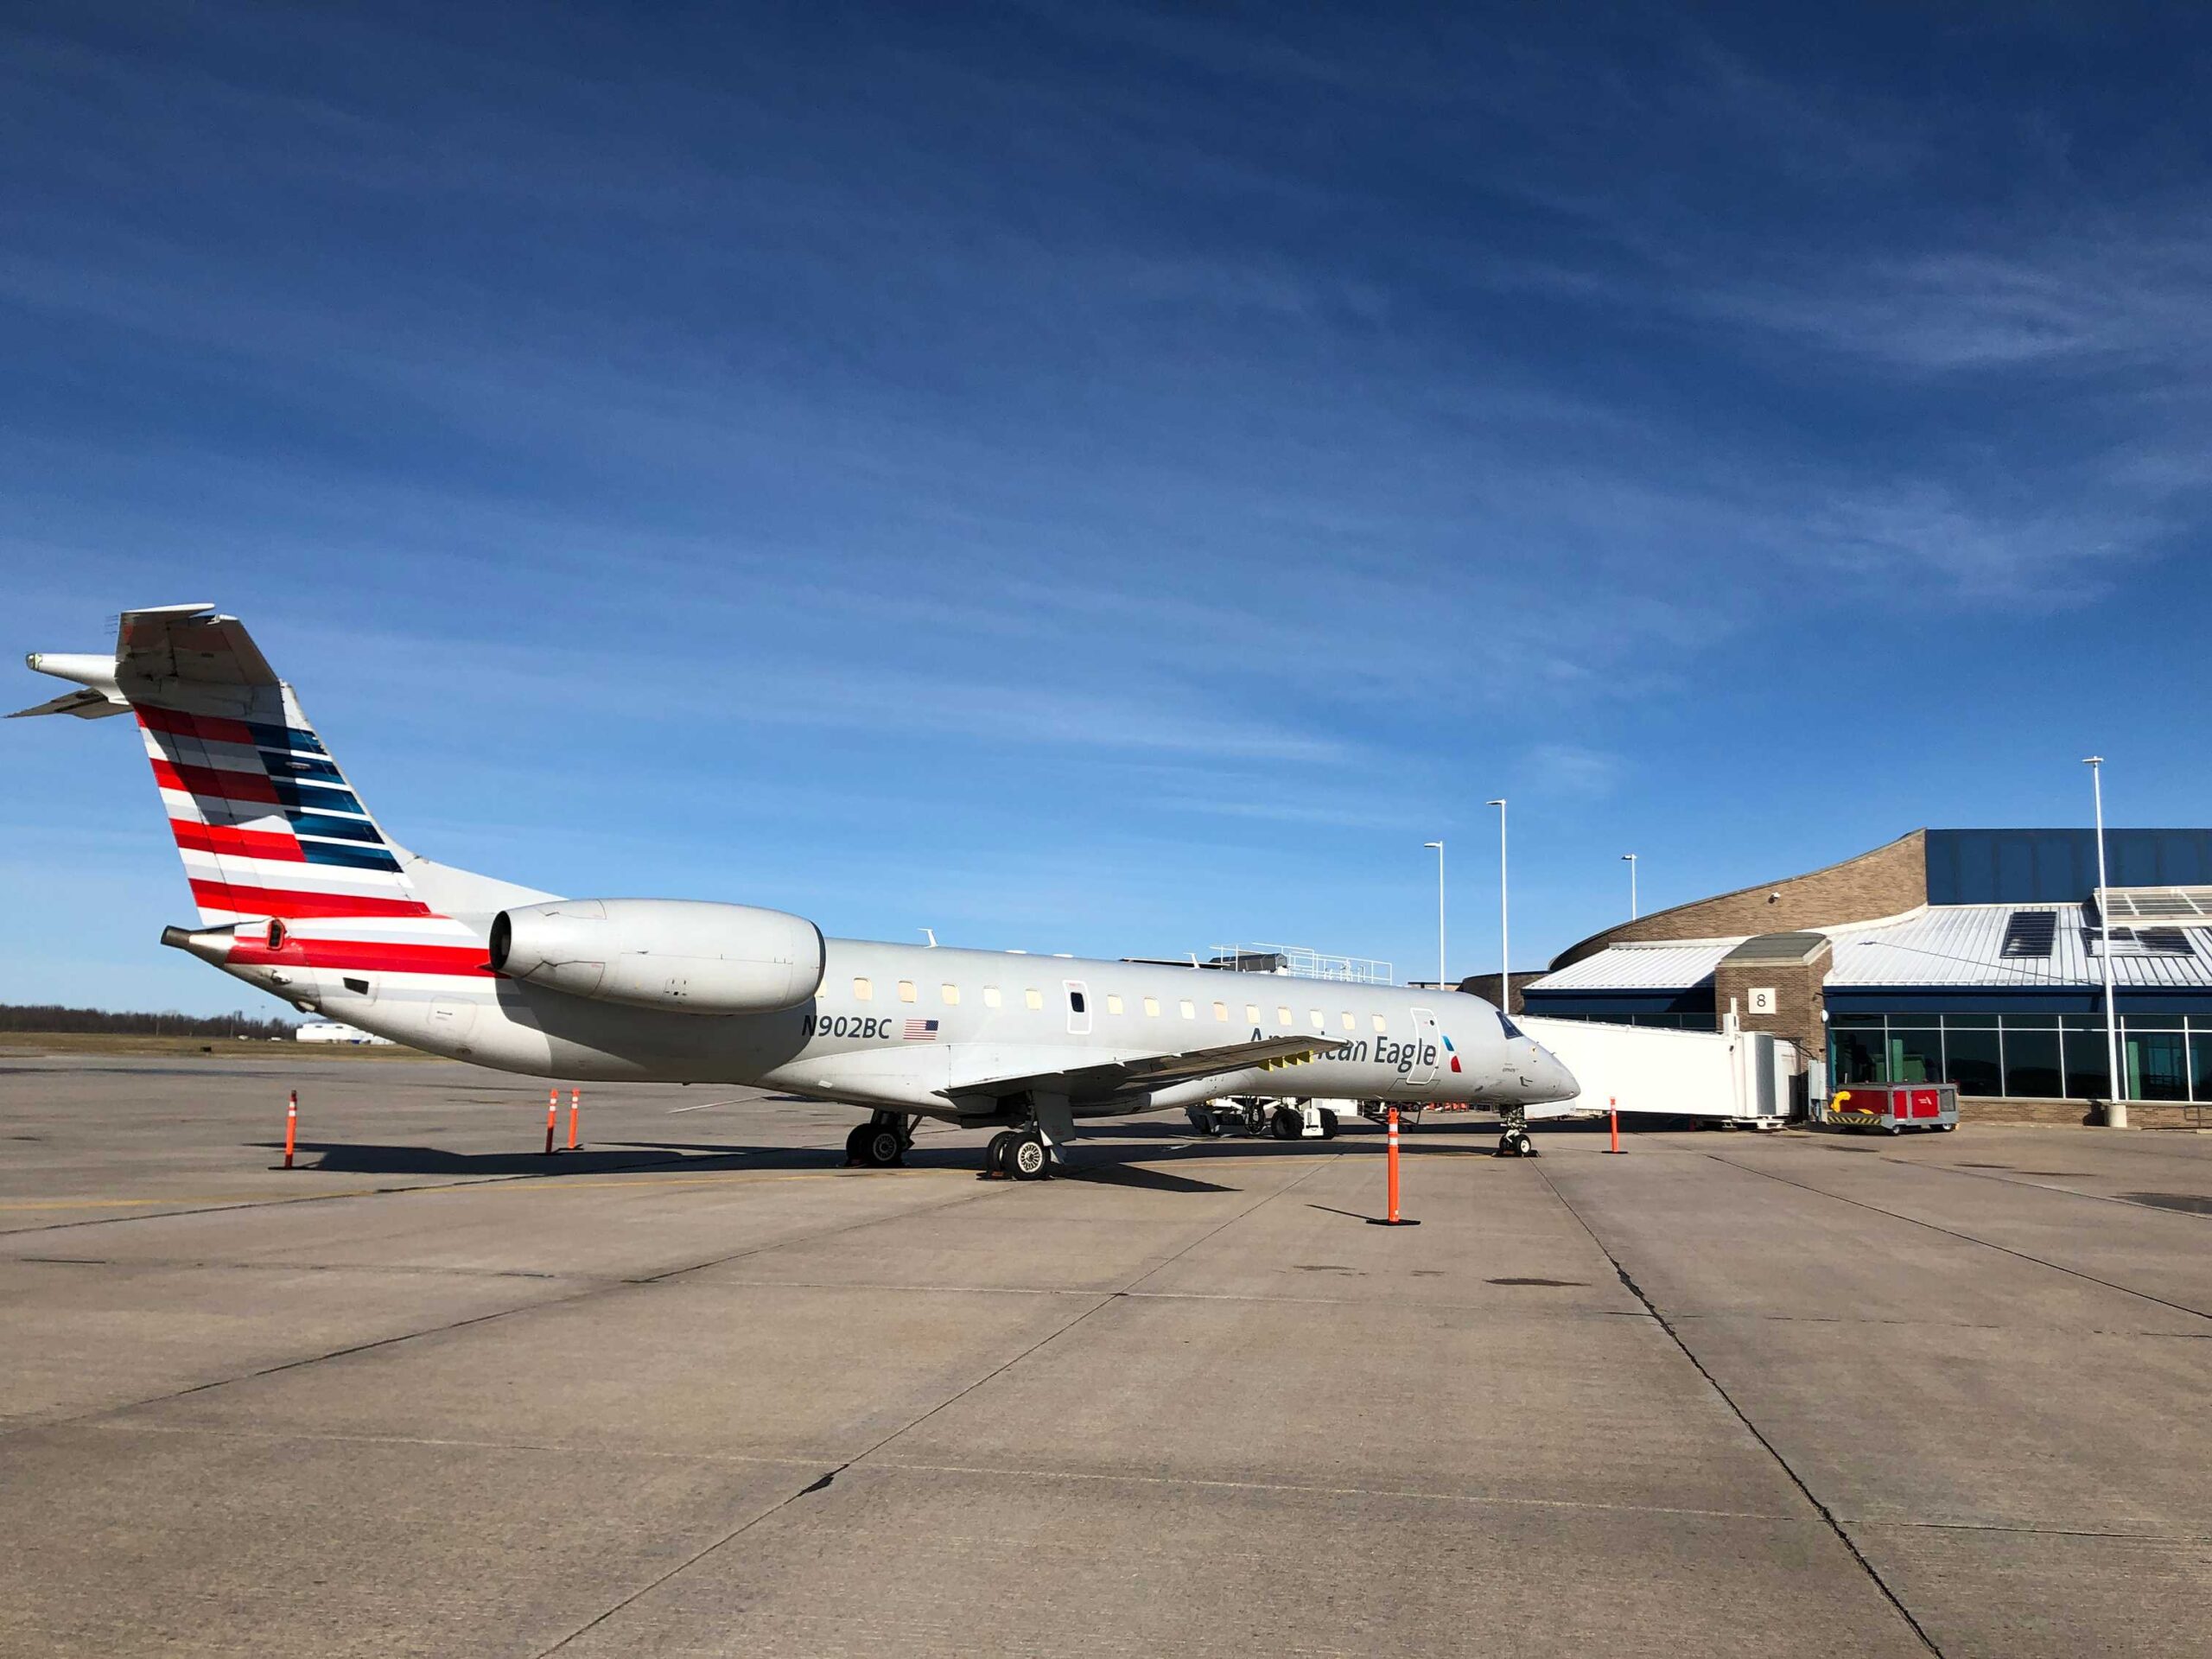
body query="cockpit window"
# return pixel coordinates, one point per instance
(1505, 1020)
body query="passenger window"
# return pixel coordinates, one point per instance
(1151, 1007)
(1220, 1011)
(1033, 999)
(1382, 1024)
(862, 990)
(1252, 1013)
(905, 990)
(1319, 1024)
(1282, 1016)
(951, 992)
(991, 996)
(1074, 1002)
(1190, 1009)
(1350, 1024)
(1113, 1002)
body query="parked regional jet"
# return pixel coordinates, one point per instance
(301, 893)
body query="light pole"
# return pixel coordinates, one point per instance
(2095, 763)
(1504, 920)
(1439, 847)
(1630, 859)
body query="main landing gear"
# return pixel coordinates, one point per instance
(881, 1142)
(1022, 1154)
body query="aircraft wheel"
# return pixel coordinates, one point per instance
(883, 1148)
(1028, 1159)
(1505, 1147)
(1284, 1127)
(856, 1145)
(994, 1161)
(1523, 1146)
(1328, 1124)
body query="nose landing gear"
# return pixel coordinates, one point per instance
(1514, 1142)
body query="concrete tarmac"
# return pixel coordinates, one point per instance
(699, 1390)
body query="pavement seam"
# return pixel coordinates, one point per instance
(1826, 1514)
(824, 1481)
(1969, 1238)
(1311, 1488)
(456, 1183)
(2189, 1539)
(596, 1288)
(2034, 1187)
(794, 1460)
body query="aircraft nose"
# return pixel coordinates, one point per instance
(1552, 1079)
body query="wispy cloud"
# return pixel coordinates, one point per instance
(1572, 770)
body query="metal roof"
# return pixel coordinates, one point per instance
(1662, 967)
(1943, 946)
(1963, 945)
(2177, 906)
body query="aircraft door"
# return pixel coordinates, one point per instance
(1078, 1007)
(1429, 1044)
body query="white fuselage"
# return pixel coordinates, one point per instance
(905, 1027)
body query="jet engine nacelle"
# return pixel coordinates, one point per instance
(679, 954)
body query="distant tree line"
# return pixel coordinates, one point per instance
(49, 1017)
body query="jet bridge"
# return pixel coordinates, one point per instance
(1730, 1076)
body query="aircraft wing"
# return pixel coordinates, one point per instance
(1092, 1085)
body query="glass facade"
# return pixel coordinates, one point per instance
(2026, 1056)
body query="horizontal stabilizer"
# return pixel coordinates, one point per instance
(87, 704)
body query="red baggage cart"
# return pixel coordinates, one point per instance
(1894, 1108)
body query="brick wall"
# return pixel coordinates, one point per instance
(1884, 883)
(1799, 995)
(1485, 986)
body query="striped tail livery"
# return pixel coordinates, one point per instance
(291, 874)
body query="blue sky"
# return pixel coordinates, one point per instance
(1107, 479)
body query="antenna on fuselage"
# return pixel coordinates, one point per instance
(929, 933)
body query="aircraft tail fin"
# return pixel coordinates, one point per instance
(267, 823)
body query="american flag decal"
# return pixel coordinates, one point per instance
(921, 1031)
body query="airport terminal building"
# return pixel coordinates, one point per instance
(1972, 957)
